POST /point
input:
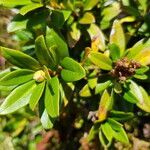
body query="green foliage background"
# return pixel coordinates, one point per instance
(81, 69)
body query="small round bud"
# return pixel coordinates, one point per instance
(39, 76)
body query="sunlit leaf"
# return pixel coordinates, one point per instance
(85, 91)
(24, 10)
(19, 59)
(45, 120)
(97, 38)
(105, 105)
(72, 70)
(73, 35)
(36, 94)
(142, 45)
(119, 133)
(107, 130)
(109, 13)
(14, 3)
(100, 60)
(52, 97)
(145, 104)
(102, 86)
(88, 4)
(54, 39)
(92, 79)
(18, 98)
(143, 57)
(117, 36)
(87, 18)
(43, 53)
(19, 22)
(17, 77)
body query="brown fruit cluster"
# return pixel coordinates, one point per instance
(124, 68)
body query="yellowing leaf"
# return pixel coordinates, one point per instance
(117, 36)
(97, 38)
(85, 91)
(143, 57)
(142, 45)
(104, 106)
(73, 35)
(87, 18)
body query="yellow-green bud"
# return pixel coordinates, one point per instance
(39, 76)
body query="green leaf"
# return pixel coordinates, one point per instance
(107, 130)
(72, 70)
(143, 4)
(87, 18)
(85, 91)
(18, 23)
(102, 86)
(4, 72)
(13, 3)
(114, 52)
(19, 59)
(54, 39)
(93, 131)
(43, 54)
(141, 77)
(135, 89)
(103, 140)
(37, 22)
(128, 19)
(117, 87)
(100, 60)
(52, 97)
(30, 7)
(143, 57)
(120, 115)
(132, 11)
(46, 121)
(73, 35)
(145, 104)
(105, 105)
(88, 4)
(139, 47)
(17, 77)
(58, 17)
(92, 79)
(133, 93)
(109, 13)
(18, 98)
(97, 38)
(117, 36)
(130, 97)
(142, 70)
(119, 133)
(36, 94)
